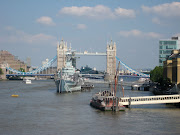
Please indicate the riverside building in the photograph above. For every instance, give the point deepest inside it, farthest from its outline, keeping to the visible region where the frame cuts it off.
(13, 61)
(172, 67)
(166, 46)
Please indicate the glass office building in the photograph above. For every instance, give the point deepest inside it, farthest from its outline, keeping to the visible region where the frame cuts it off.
(166, 46)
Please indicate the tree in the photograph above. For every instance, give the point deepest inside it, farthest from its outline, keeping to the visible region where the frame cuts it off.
(1, 72)
(156, 75)
(22, 70)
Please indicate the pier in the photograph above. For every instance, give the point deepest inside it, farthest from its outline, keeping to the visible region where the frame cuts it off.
(128, 101)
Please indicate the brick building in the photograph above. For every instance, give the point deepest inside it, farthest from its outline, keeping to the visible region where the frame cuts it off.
(11, 60)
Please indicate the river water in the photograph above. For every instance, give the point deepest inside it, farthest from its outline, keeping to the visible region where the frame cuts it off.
(40, 110)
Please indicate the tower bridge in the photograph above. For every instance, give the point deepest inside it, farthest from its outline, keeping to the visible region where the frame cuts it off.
(63, 51)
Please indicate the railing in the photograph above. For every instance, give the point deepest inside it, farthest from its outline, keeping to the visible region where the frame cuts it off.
(91, 54)
(149, 100)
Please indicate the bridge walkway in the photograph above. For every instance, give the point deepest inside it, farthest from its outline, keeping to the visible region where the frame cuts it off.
(149, 100)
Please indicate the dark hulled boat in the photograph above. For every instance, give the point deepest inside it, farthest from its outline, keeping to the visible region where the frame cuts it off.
(107, 100)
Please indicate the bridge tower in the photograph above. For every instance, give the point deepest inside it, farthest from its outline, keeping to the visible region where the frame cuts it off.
(111, 60)
(61, 54)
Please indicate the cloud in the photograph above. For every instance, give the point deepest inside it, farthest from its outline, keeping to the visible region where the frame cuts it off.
(9, 28)
(38, 38)
(81, 26)
(165, 10)
(176, 35)
(19, 36)
(99, 11)
(156, 20)
(125, 12)
(139, 34)
(45, 20)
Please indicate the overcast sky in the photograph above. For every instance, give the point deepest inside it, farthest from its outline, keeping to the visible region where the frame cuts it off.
(32, 28)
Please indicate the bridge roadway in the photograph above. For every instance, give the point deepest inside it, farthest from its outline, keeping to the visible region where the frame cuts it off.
(127, 101)
(102, 75)
(91, 54)
(29, 75)
(124, 83)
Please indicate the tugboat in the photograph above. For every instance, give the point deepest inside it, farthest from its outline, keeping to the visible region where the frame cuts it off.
(107, 100)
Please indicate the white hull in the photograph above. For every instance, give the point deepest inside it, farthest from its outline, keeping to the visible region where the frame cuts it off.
(27, 81)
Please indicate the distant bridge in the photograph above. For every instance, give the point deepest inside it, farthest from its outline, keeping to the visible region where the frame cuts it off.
(8, 75)
(149, 100)
(44, 67)
(36, 71)
(91, 54)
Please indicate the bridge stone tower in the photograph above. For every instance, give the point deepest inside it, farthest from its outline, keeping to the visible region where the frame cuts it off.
(111, 60)
(61, 54)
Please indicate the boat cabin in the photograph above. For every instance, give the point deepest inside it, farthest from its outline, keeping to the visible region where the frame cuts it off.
(107, 93)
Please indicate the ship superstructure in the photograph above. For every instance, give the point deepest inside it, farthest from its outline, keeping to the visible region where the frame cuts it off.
(67, 77)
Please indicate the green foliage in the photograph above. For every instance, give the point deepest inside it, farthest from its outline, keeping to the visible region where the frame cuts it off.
(88, 70)
(10, 72)
(22, 70)
(1, 72)
(85, 69)
(156, 75)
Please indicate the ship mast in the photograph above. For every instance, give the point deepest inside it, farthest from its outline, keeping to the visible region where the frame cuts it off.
(116, 78)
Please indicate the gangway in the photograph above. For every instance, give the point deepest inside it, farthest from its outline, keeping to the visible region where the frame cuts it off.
(128, 101)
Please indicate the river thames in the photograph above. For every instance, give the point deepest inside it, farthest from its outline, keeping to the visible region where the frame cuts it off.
(40, 110)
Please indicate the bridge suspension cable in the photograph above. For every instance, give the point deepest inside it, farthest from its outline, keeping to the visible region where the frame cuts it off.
(36, 70)
(132, 70)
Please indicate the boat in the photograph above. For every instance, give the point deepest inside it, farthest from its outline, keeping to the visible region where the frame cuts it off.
(107, 100)
(15, 78)
(68, 78)
(87, 86)
(27, 81)
(13, 95)
(143, 79)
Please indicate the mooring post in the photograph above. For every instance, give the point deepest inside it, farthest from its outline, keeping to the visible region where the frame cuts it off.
(117, 104)
(59, 86)
(129, 106)
(113, 105)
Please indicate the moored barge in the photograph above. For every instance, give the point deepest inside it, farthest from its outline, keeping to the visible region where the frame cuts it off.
(106, 101)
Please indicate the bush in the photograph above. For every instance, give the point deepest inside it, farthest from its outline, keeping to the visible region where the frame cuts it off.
(1, 72)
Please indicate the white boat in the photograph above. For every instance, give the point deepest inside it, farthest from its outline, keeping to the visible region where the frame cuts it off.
(27, 81)
(143, 79)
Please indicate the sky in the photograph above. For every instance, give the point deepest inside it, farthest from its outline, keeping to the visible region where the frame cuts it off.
(33, 28)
